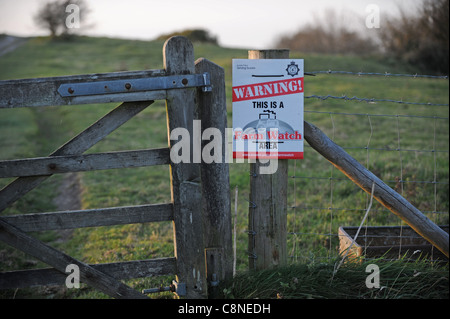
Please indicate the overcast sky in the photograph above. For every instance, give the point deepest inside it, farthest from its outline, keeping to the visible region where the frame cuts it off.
(237, 23)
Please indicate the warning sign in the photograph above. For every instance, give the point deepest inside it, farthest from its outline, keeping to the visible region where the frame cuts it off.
(268, 108)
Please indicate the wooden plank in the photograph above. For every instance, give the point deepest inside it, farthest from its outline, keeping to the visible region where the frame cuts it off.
(119, 270)
(185, 177)
(215, 177)
(383, 193)
(43, 91)
(92, 217)
(79, 163)
(79, 144)
(267, 219)
(58, 260)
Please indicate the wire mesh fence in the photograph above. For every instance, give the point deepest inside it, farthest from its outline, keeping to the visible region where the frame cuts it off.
(404, 141)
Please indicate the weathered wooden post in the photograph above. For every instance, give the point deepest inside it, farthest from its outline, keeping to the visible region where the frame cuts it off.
(215, 179)
(267, 219)
(185, 177)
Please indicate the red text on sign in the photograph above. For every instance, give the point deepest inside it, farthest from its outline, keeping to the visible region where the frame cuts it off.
(268, 89)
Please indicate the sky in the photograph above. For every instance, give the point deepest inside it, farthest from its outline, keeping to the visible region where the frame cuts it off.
(254, 24)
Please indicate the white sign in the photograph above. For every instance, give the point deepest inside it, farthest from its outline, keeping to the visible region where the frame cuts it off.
(268, 108)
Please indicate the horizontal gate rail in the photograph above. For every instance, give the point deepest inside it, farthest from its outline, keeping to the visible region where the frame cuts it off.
(44, 91)
(92, 217)
(119, 270)
(80, 163)
(96, 88)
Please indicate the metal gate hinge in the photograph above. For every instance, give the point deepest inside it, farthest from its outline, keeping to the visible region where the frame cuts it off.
(136, 85)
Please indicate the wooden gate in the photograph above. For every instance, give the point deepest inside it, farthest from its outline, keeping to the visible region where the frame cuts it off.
(200, 205)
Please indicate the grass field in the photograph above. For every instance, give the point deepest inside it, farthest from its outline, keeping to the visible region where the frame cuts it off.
(318, 204)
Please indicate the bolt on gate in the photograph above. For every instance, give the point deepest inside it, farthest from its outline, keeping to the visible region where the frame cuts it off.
(200, 205)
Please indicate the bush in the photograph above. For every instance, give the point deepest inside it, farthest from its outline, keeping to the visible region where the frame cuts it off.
(328, 35)
(195, 35)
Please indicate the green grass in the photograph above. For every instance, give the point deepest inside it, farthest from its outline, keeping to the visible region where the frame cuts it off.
(398, 280)
(317, 204)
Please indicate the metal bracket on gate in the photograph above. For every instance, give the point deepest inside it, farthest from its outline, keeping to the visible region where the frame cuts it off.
(137, 85)
(176, 287)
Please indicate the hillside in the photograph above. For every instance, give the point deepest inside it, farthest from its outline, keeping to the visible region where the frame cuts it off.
(320, 198)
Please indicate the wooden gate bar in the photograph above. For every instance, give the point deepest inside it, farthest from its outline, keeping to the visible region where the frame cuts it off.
(82, 163)
(58, 260)
(120, 270)
(185, 177)
(79, 144)
(385, 195)
(44, 91)
(92, 217)
(215, 181)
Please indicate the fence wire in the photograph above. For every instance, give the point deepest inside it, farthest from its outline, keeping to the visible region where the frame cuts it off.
(385, 74)
(371, 100)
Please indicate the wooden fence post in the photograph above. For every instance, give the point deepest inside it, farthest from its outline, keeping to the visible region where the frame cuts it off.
(215, 180)
(267, 221)
(185, 177)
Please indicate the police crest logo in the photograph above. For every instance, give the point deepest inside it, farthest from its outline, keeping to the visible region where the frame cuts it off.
(292, 69)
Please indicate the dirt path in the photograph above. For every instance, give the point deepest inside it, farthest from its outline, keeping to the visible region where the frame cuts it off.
(68, 198)
(69, 194)
(9, 43)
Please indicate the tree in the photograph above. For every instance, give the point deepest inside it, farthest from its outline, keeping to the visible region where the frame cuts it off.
(61, 17)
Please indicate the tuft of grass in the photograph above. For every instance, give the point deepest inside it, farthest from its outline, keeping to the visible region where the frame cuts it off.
(399, 279)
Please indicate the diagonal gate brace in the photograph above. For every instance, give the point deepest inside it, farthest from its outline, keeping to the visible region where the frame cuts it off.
(106, 283)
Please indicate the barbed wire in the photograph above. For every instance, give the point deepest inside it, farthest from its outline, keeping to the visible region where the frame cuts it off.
(370, 100)
(351, 210)
(367, 236)
(386, 181)
(385, 74)
(381, 115)
(390, 149)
